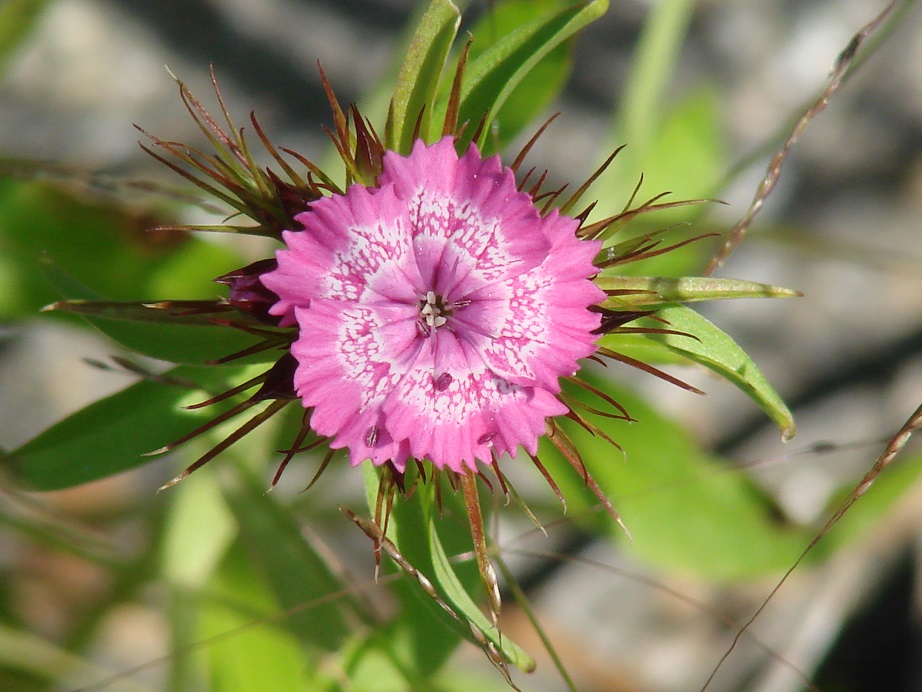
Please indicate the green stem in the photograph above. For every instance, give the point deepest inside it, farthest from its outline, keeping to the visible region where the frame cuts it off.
(522, 600)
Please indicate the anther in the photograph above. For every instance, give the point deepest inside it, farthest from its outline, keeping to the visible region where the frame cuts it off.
(371, 437)
(432, 313)
(422, 328)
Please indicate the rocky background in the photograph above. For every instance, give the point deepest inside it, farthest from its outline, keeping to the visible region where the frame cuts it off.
(843, 227)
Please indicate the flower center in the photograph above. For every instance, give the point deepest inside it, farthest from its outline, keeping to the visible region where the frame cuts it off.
(434, 312)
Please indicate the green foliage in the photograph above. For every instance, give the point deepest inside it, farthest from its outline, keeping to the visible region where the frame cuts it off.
(253, 600)
(534, 88)
(647, 105)
(426, 535)
(17, 19)
(701, 342)
(684, 510)
(420, 75)
(111, 435)
(275, 545)
(100, 245)
(491, 78)
(259, 656)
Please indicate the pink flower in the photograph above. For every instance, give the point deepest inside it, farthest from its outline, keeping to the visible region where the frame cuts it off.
(437, 312)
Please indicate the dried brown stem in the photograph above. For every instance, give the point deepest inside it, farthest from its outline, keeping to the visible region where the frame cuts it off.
(843, 62)
(487, 574)
(894, 447)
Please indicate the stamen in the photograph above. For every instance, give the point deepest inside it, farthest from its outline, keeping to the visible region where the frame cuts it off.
(442, 381)
(487, 437)
(422, 328)
(371, 437)
(432, 313)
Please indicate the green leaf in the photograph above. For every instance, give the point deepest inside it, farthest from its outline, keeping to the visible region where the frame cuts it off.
(686, 511)
(711, 347)
(371, 665)
(542, 82)
(422, 531)
(491, 78)
(295, 572)
(655, 59)
(687, 154)
(111, 435)
(244, 653)
(420, 641)
(650, 291)
(458, 596)
(426, 534)
(199, 528)
(178, 312)
(101, 245)
(685, 157)
(17, 18)
(417, 84)
(872, 507)
(643, 99)
(153, 332)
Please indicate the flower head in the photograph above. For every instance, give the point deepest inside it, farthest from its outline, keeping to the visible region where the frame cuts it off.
(436, 312)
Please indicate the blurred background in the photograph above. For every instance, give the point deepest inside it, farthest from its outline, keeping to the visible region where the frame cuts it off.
(77, 599)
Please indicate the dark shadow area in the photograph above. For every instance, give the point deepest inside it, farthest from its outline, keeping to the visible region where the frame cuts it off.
(879, 647)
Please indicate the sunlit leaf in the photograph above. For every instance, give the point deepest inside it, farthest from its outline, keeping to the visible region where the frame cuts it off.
(371, 667)
(446, 577)
(704, 343)
(199, 528)
(644, 99)
(492, 78)
(634, 292)
(426, 536)
(882, 498)
(158, 333)
(541, 84)
(100, 245)
(273, 539)
(422, 638)
(111, 435)
(414, 93)
(257, 655)
(421, 532)
(686, 511)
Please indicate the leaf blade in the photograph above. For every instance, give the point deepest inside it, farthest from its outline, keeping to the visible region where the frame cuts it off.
(687, 511)
(704, 343)
(417, 83)
(110, 435)
(151, 331)
(491, 78)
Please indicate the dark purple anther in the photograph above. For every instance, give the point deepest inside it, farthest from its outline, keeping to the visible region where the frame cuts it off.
(371, 437)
